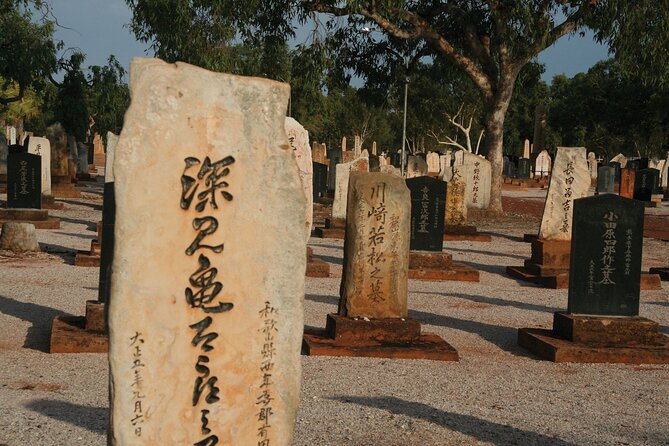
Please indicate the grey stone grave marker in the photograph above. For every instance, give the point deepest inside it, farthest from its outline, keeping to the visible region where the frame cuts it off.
(606, 180)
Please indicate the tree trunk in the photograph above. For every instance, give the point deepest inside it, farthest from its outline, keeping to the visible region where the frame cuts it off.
(495, 114)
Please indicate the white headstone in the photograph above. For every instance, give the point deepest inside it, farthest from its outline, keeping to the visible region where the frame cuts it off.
(343, 171)
(12, 135)
(592, 165)
(526, 149)
(205, 317)
(433, 163)
(416, 167)
(299, 141)
(620, 158)
(42, 147)
(542, 166)
(459, 157)
(112, 141)
(477, 174)
(357, 146)
(664, 173)
(570, 180)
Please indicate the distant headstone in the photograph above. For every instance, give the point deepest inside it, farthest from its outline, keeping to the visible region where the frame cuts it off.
(634, 164)
(390, 169)
(456, 204)
(570, 180)
(24, 181)
(59, 153)
(526, 149)
(12, 136)
(341, 188)
(428, 203)
(542, 165)
(605, 271)
(506, 166)
(644, 163)
(4, 151)
(357, 146)
(298, 137)
(620, 158)
(42, 147)
(376, 247)
(524, 168)
(616, 167)
(320, 180)
(592, 165)
(108, 222)
(205, 319)
(433, 165)
(606, 180)
(319, 153)
(665, 174)
(416, 167)
(646, 184)
(477, 174)
(343, 144)
(627, 180)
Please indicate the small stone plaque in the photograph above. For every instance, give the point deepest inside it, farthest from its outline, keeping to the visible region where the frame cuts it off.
(24, 181)
(605, 270)
(320, 180)
(606, 180)
(428, 202)
(646, 184)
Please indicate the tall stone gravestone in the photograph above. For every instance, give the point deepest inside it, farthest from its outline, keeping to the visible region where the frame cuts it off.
(506, 166)
(524, 167)
(24, 181)
(376, 248)
(42, 148)
(341, 189)
(542, 166)
(606, 176)
(592, 167)
(646, 184)
(456, 204)
(298, 137)
(605, 273)
(205, 318)
(335, 157)
(320, 180)
(108, 223)
(416, 167)
(477, 173)
(665, 175)
(433, 164)
(570, 180)
(428, 202)
(627, 181)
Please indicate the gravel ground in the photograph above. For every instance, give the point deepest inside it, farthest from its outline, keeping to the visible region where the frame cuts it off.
(496, 395)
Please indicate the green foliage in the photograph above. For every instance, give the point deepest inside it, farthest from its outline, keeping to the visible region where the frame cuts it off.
(108, 97)
(71, 108)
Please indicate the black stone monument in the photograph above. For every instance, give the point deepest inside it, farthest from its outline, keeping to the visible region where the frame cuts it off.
(24, 181)
(634, 164)
(523, 168)
(428, 206)
(605, 270)
(320, 180)
(606, 176)
(646, 184)
(107, 243)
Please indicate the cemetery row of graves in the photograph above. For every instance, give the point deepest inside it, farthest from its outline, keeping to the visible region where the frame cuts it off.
(222, 281)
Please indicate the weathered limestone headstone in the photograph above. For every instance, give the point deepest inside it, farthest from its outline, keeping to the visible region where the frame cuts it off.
(606, 177)
(605, 271)
(82, 157)
(661, 165)
(570, 180)
(108, 222)
(18, 237)
(12, 135)
(390, 169)
(59, 152)
(592, 165)
(42, 147)
(98, 152)
(416, 167)
(374, 152)
(376, 248)
(526, 149)
(620, 158)
(459, 158)
(477, 173)
(433, 163)
(665, 174)
(205, 318)
(456, 204)
(319, 153)
(428, 201)
(73, 155)
(357, 146)
(343, 144)
(542, 166)
(341, 188)
(299, 141)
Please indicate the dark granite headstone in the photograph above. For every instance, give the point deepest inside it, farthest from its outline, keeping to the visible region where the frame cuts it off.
(374, 165)
(320, 180)
(634, 164)
(646, 184)
(506, 166)
(396, 159)
(17, 148)
(24, 181)
(643, 163)
(605, 270)
(107, 243)
(616, 166)
(428, 205)
(606, 180)
(523, 168)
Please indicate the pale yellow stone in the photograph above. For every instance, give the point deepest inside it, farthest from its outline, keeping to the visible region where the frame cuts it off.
(181, 111)
(456, 204)
(42, 147)
(343, 171)
(299, 141)
(376, 249)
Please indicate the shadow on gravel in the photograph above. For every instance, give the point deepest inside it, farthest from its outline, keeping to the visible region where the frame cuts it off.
(489, 253)
(330, 259)
(89, 226)
(512, 238)
(480, 429)
(94, 419)
(84, 236)
(64, 253)
(41, 317)
(497, 301)
(660, 303)
(322, 299)
(97, 207)
(506, 338)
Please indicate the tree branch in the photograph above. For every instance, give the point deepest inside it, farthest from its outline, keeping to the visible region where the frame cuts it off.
(18, 97)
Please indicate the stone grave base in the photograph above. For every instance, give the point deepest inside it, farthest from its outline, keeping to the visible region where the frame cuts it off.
(548, 266)
(62, 187)
(73, 334)
(454, 233)
(439, 266)
(321, 213)
(84, 176)
(607, 339)
(326, 201)
(376, 338)
(315, 266)
(49, 202)
(527, 182)
(561, 281)
(334, 228)
(663, 273)
(37, 217)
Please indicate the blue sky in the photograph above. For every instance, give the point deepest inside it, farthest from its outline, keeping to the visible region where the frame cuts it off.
(97, 27)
